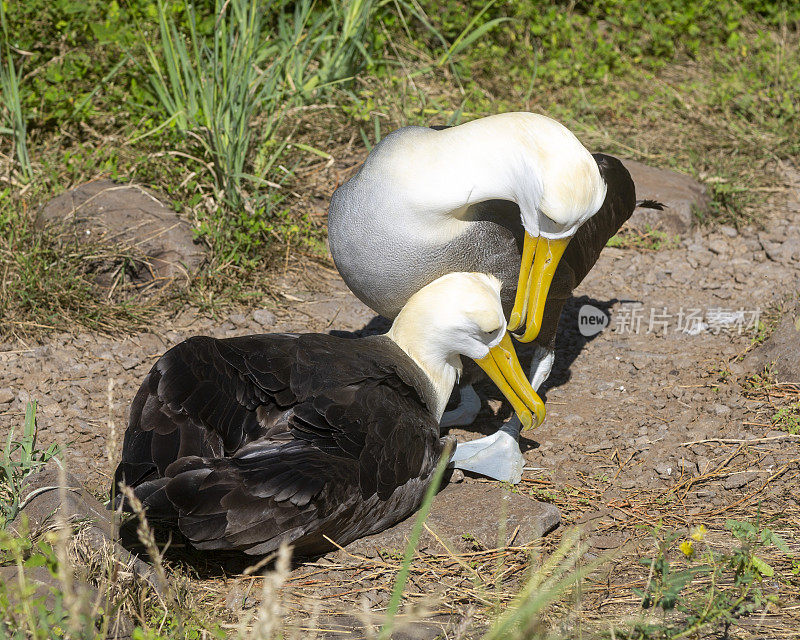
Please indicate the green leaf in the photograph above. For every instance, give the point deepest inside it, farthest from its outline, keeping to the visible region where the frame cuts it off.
(37, 560)
(780, 543)
(762, 567)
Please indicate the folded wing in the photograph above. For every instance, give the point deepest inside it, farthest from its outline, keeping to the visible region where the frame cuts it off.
(246, 442)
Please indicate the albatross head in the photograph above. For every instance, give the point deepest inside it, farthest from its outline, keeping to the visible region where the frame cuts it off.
(461, 314)
(559, 188)
(431, 179)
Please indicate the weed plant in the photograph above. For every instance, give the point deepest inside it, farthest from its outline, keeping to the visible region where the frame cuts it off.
(11, 112)
(732, 581)
(228, 92)
(19, 459)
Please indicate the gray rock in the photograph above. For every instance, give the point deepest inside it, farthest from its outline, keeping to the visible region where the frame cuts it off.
(720, 409)
(718, 246)
(739, 480)
(608, 541)
(790, 251)
(42, 505)
(664, 469)
(681, 195)
(132, 219)
(264, 317)
(781, 351)
(48, 590)
(42, 508)
(6, 395)
(351, 627)
(468, 513)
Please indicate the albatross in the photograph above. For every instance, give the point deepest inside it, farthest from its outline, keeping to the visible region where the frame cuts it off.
(515, 195)
(243, 443)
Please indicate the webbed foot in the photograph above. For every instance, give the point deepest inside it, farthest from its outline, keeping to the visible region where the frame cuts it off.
(497, 456)
(466, 411)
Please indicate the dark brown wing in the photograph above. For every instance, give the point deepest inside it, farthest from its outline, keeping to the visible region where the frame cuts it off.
(206, 397)
(296, 438)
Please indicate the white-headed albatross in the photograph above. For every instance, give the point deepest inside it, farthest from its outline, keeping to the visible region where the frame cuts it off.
(487, 196)
(245, 442)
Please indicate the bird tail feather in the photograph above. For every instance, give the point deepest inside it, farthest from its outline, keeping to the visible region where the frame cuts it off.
(650, 204)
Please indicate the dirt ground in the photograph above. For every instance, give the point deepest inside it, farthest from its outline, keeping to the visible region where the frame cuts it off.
(648, 421)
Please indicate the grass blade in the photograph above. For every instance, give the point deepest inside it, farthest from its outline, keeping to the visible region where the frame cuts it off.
(411, 547)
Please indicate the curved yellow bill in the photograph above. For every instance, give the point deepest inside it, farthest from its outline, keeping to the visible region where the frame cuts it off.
(521, 299)
(540, 257)
(502, 366)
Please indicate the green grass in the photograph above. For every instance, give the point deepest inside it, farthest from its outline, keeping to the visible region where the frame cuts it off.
(223, 111)
(48, 280)
(650, 239)
(227, 92)
(11, 112)
(788, 418)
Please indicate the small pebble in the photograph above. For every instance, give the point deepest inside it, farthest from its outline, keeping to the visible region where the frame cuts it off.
(720, 409)
(264, 317)
(718, 246)
(664, 469)
(738, 480)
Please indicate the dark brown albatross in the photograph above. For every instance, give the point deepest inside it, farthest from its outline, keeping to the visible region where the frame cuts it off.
(244, 443)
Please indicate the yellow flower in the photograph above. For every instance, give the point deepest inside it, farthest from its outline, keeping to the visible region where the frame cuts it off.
(698, 533)
(687, 547)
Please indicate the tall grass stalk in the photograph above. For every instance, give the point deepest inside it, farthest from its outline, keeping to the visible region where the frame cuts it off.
(229, 90)
(11, 107)
(324, 44)
(559, 573)
(411, 547)
(213, 87)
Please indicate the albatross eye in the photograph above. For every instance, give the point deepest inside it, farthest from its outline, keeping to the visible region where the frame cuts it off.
(493, 337)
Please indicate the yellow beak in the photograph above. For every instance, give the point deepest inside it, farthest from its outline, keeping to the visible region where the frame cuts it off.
(540, 257)
(502, 366)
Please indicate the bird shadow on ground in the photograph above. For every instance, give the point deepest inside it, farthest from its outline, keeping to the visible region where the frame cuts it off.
(177, 552)
(374, 327)
(570, 342)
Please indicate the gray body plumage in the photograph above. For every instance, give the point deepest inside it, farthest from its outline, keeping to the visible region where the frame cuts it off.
(385, 261)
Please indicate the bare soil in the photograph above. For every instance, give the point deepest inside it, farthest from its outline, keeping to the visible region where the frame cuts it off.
(647, 423)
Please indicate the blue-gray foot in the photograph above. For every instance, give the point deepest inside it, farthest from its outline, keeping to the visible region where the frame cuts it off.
(497, 456)
(466, 411)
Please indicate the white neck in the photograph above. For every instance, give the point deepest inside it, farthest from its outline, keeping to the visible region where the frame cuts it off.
(413, 336)
(523, 157)
(458, 313)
